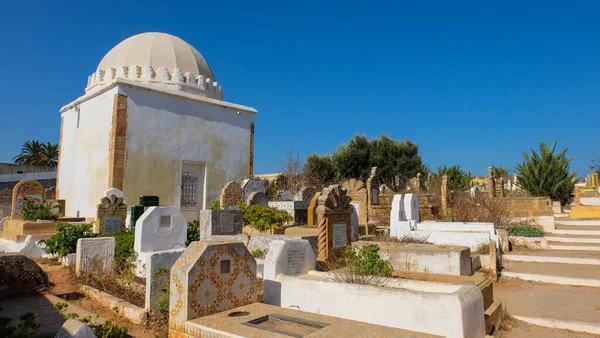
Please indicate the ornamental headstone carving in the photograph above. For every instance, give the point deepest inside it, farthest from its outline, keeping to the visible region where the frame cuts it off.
(111, 214)
(334, 217)
(31, 190)
(231, 195)
(358, 192)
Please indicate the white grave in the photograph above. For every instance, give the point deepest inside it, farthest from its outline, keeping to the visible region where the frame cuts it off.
(94, 254)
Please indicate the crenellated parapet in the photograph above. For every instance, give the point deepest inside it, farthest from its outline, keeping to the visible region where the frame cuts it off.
(166, 78)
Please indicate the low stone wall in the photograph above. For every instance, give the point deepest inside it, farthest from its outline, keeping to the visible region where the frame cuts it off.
(533, 243)
(19, 274)
(529, 206)
(134, 314)
(448, 310)
(450, 260)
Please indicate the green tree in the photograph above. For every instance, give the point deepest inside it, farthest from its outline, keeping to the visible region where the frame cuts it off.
(353, 160)
(458, 179)
(501, 172)
(38, 153)
(319, 170)
(546, 173)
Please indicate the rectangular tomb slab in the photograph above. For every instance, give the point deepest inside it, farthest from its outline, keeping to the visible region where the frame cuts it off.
(263, 320)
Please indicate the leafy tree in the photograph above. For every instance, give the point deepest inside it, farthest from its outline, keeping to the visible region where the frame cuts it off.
(501, 172)
(353, 160)
(319, 170)
(37, 153)
(546, 173)
(458, 179)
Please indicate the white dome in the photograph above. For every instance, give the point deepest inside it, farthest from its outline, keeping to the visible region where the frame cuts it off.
(157, 50)
(159, 60)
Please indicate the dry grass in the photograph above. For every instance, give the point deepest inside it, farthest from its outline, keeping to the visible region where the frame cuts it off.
(345, 275)
(112, 284)
(483, 249)
(463, 208)
(407, 239)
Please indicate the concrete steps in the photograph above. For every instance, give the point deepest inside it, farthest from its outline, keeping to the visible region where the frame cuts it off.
(578, 230)
(573, 246)
(554, 273)
(555, 256)
(573, 238)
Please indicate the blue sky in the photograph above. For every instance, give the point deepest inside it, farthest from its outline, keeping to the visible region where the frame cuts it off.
(473, 84)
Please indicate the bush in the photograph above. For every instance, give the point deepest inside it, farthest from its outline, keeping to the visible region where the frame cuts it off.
(25, 329)
(108, 329)
(264, 219)
(216, 206)
(123, 245)
(32, 211)
(193, 232)
(65, 241)
(525, 231)
(258, 253)
(366, 261)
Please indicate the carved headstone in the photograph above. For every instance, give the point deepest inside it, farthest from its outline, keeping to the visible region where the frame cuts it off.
(31, 190)
(94, 254)
(258, 198)
(220, 223)
(252, 185)
(159, 229)
(358, 192)
(211, 277)
(305, 193)
(312, 210)
(334, 220)
(111, 214)
(373, 187)
(231, 195)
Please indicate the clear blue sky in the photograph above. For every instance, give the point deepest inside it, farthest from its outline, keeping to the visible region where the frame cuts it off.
(473, 84)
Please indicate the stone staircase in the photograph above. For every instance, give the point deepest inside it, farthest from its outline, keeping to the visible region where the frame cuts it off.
(560, 287)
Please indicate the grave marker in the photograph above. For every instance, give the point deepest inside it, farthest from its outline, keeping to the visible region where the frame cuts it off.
(357, 191)
(258, 198)
(334, 215)
(111, 213)
(31, 190)
(159, 229)
(231, 195)
(94, 254)
(252, 185)
(220, 223)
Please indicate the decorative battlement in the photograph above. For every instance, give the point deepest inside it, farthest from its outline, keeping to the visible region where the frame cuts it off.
(173, 79)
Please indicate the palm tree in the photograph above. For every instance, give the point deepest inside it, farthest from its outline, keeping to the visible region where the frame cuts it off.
(546, 173)
(37, 153)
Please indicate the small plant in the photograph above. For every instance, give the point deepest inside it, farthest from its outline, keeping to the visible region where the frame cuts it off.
(25, 329)
(124, 252)
(525, 231)
(105, 330)
(216, 206)
(258, 253)
(264, 219)
(366, 261)
(65, 241)
(163, 302)
(193, 232)
(33, 211)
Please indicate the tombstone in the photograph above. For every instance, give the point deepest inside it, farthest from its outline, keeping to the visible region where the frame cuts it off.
(252, 185)
(357, 191)
(305, 194)
(31, 249)
(159, 229)
(258, 198)
(405, 207)
(297, 209)
(158, 266)
(113, 191)
(94, 254)
(286, 257)
(355, 230)
(231, 195)
(211, 277)
(373, 187)
(220, 223)
(31, 190)
(312, 210)
(111, 214)
(334, 217)
(285, 195)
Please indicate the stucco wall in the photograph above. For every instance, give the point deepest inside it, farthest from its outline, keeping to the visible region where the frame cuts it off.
(83, 174)
(164, 131)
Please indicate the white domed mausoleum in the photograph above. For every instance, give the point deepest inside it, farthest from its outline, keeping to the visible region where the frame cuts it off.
(152, 121)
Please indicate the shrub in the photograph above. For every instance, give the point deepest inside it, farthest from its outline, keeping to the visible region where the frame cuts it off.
(524, 231)
(216, 206)
(366, 261)
(258, 253)
(25, 329)
(105, 330)
(264, 219)
(193, 232)
(65, 241)
(32, 211)
(123, 244)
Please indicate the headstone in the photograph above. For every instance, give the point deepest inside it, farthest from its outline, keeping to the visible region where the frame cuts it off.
(398, 213)
(31, 190)
(31, 249)
(258, 198)
(220, 223)
(411, 207)
(252, 185)
(94, 254)
(285, 195)
(113, 191)
(231, 195)
(74, 328)
(159, 229)
(312, 210)
(373, 187)
(285, 257)
(305, 193)
(334, 218)
(111, 214)
(355, 231)
(357, 191)
(212, 277)
(158, 267)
